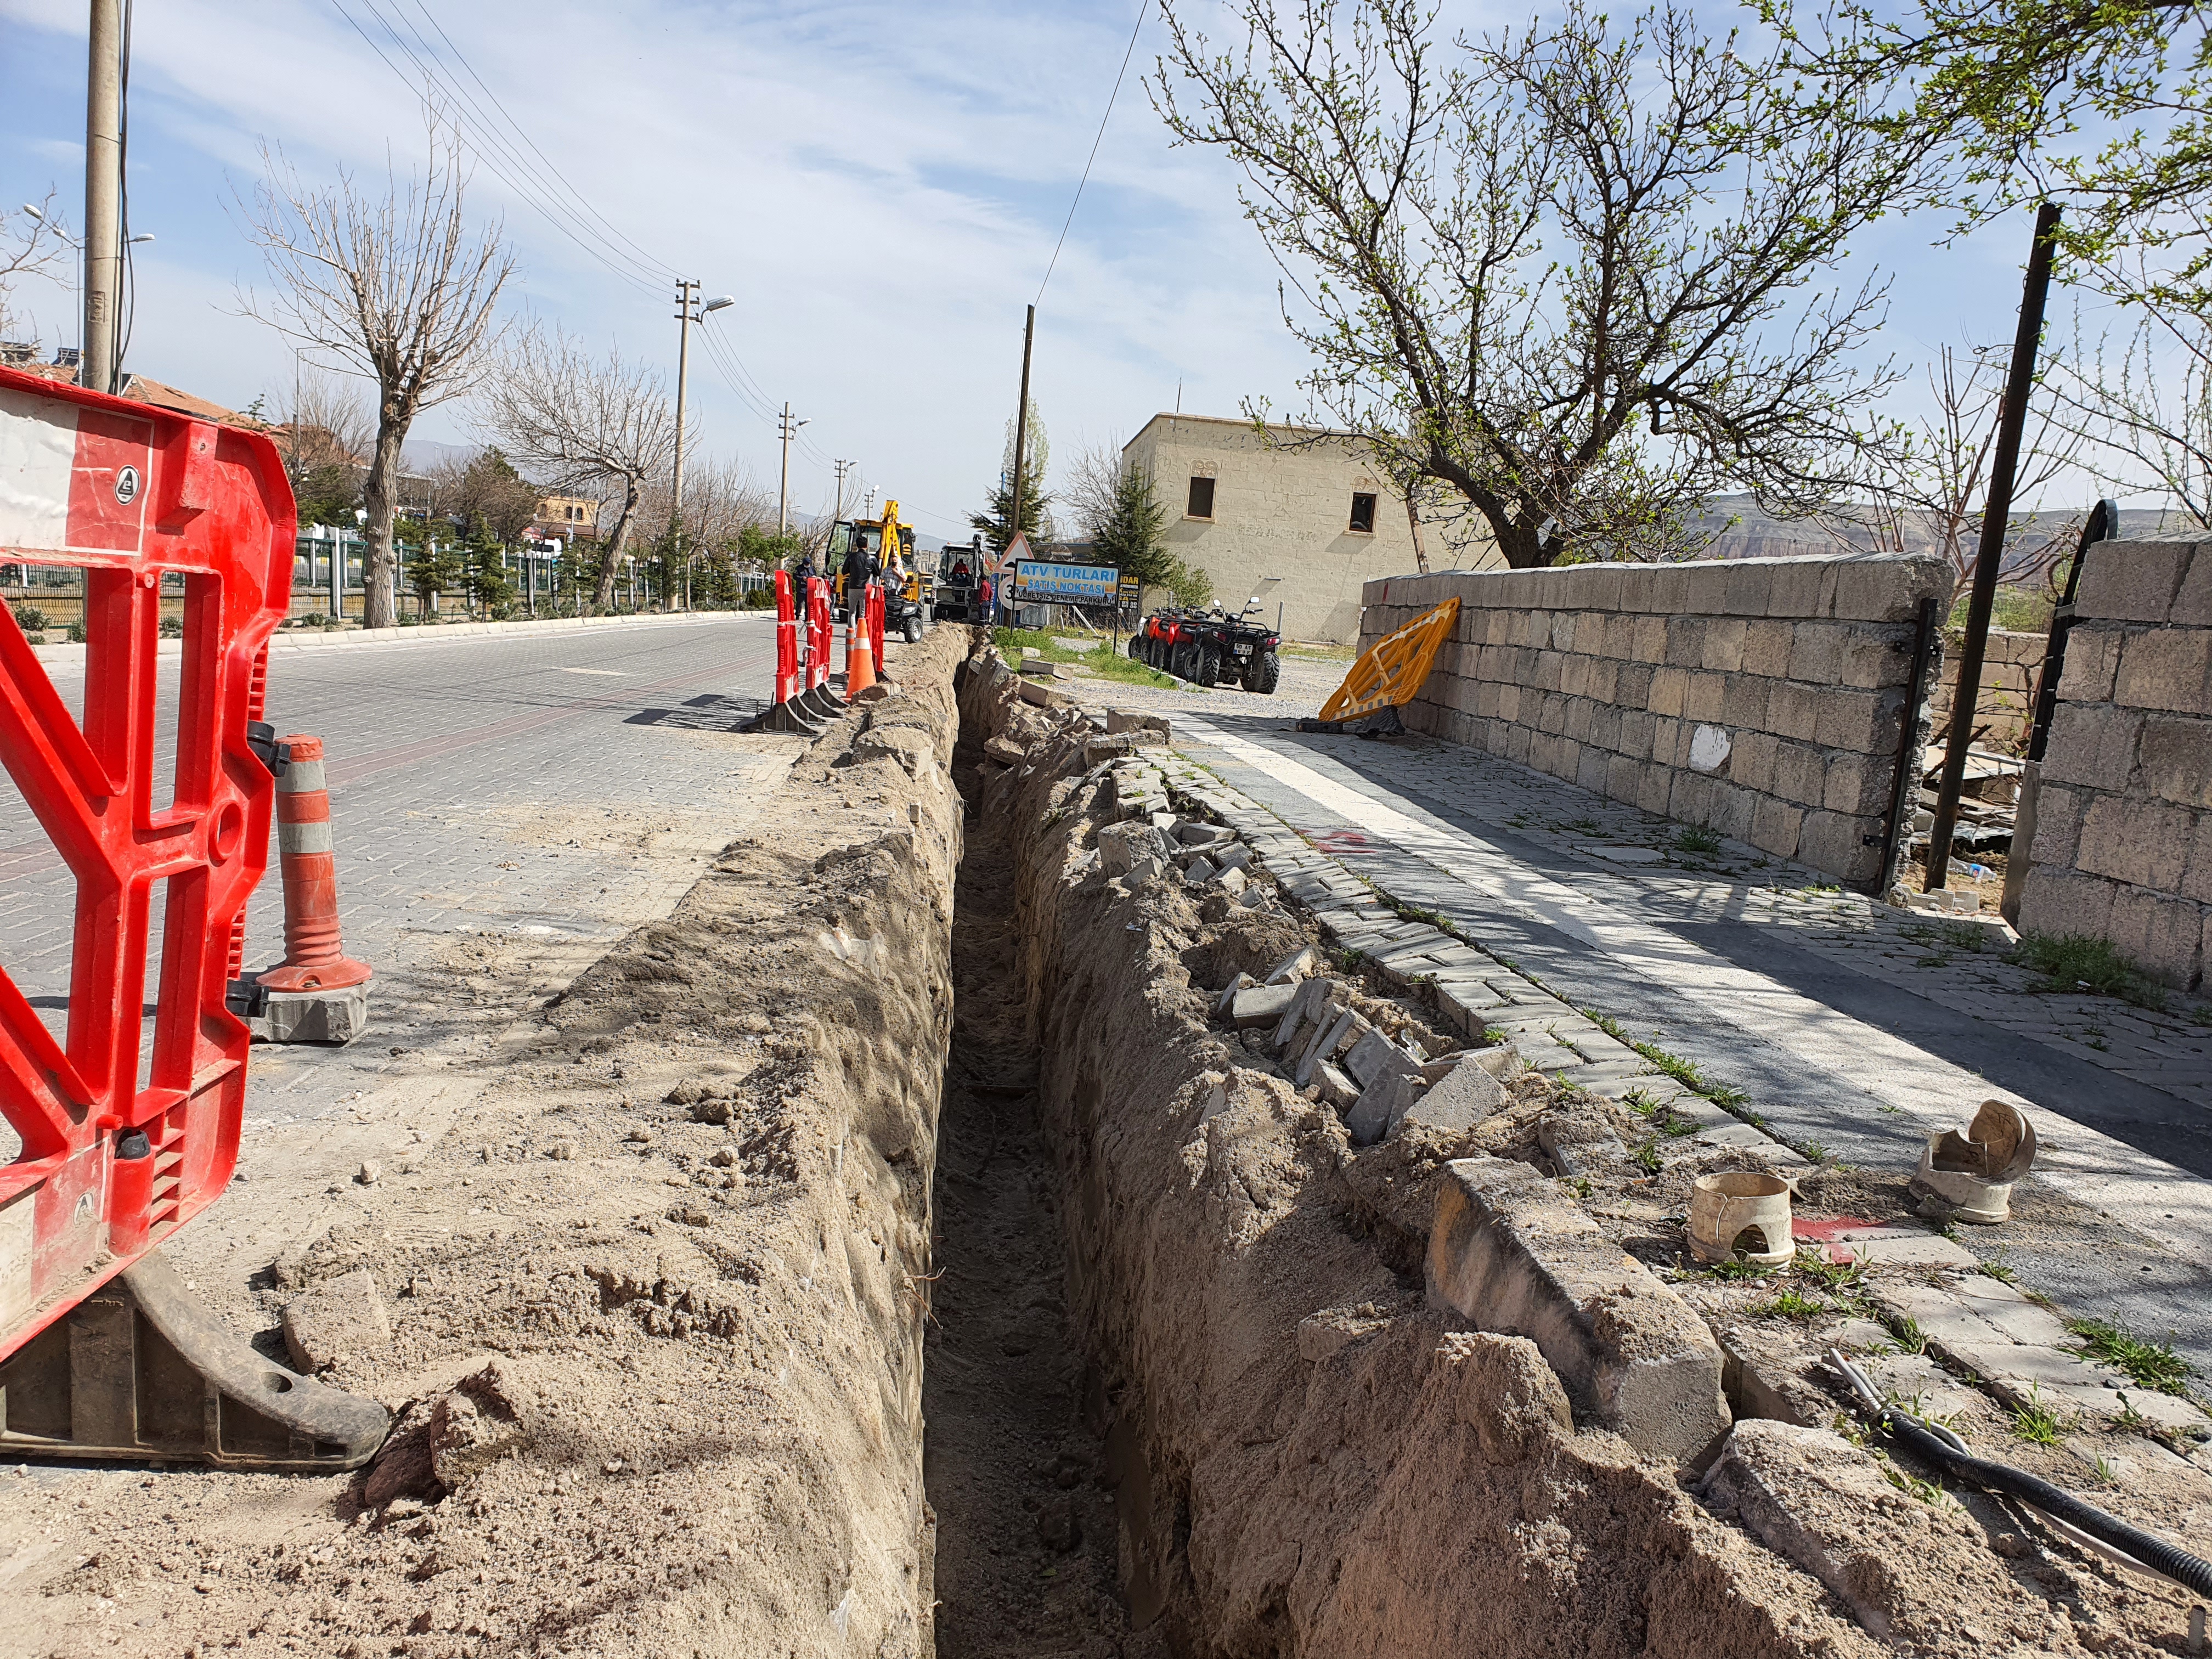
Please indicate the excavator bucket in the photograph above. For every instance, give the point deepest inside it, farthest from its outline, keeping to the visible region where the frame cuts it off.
(1392, 670)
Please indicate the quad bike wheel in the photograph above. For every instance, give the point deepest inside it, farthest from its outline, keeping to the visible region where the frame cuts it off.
(913, 628)
(1264, 673)
(1206, 671)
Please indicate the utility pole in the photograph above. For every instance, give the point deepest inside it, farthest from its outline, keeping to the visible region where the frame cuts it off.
(687, 294)
(843, 467)
(1997, 518)
(103, 198)
(788, 428)
(1021, 431)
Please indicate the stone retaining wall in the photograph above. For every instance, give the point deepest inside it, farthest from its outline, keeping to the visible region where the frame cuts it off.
(2007, 706)
(1762, 698)
(2123, 816)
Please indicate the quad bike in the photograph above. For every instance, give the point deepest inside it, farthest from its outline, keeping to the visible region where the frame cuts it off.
(1207, 647)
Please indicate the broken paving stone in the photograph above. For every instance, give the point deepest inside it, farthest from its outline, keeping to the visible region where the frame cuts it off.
(1237, 857)
(1294, 968)
(1338, 1089)
(1260, 1004)
(1463, 1098)
(1198, 834)
(1228, 997)
(1231, 881)
(339, 1318)
(1373, 1056)
(1199, 870)
(1005, 751)
(1383, 1100)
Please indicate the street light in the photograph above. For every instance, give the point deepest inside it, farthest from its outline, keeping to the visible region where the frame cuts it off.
(78, 242)
(686, 290)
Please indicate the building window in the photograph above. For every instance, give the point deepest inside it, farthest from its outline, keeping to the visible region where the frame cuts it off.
(1202, 499)
(1363, 515)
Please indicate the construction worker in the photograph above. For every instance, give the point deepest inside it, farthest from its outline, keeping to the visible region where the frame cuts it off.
(802, 573)
(859, 569)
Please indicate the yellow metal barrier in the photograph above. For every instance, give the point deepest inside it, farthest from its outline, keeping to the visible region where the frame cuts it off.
(1392, 673)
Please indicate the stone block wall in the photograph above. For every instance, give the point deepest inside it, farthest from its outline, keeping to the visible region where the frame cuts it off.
(1761, 698)
(2123, 818)
(2007, 706)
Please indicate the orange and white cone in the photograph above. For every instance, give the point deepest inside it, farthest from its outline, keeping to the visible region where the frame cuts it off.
(314, 956)
(860, 654)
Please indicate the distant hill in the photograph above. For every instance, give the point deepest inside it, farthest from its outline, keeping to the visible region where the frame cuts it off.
(1738, 530)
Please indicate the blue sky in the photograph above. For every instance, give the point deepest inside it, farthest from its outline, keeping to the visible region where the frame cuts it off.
(880, 187)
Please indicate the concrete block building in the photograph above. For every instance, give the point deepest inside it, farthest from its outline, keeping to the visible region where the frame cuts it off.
(1301, 518)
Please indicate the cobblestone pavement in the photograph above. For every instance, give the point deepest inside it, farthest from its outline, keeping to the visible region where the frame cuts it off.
(1852, 1030)
(503, 809)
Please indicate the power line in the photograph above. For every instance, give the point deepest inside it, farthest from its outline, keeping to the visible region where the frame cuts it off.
(1143, 7)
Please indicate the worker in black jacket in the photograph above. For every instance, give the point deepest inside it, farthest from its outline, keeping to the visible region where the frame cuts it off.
(861, 569)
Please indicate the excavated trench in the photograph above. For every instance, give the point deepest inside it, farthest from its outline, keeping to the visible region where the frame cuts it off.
(1026, 1554)
(1189, 1388)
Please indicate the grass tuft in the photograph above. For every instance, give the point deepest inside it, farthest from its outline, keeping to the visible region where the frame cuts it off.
(2154, 1365)
(2073, 962)
(2035, 1422)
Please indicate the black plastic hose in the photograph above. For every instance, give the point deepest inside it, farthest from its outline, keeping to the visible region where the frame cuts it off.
(2167, 1560)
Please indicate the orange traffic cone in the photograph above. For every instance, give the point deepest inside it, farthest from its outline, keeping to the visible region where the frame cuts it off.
(314, 956)
(860, 655)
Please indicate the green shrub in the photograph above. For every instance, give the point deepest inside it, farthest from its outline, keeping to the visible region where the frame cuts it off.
(30, 619)
(2072, 961)
(76, 633)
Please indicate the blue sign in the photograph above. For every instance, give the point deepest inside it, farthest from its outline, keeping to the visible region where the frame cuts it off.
(1067, 583)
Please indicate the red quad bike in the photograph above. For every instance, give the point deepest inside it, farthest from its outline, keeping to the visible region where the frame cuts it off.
(1207, 647)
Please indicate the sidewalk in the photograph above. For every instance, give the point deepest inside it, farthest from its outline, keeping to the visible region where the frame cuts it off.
(1851, 1032)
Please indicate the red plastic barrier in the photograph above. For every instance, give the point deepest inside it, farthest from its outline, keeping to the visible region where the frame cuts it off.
(876, 624)
(821, 634)
(786, 641)
(110, 1167)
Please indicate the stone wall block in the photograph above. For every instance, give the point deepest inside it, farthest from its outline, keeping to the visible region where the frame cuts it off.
(2132, 582)
(1836, 842)
(1751, 758)
(1801, 774)
(1636, 728)
(2163, 935)
(2175, 752)
(1685, 642)
(1793, 709)
(1887, 587)
(1872, 655)
(1816, 653)
(1734, 809)
(2057, 823)
(1622, 777)
(1774, 827)
(2061, 902)
(1580, 710)
(2134, 840)
(1802, 588)
(1654, 788)
(1744, 699)
(1725, 643)
(2093, 747)
(1670, 691)
(1767, 647)
(1666, 590)
(1634, 685)
(1862, 721)
(2192, 602)
(1705, 699)
(1859, 784)
(2168, 668)
(1650, 642)
(1591, 768)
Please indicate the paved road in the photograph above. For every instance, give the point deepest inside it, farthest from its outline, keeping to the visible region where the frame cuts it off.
(539, 794)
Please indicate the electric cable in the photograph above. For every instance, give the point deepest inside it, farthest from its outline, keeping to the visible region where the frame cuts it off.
(1143, 7)
(124, 323)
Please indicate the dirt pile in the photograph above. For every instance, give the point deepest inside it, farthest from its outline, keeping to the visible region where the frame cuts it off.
(655, 1300)
(1307, 1456)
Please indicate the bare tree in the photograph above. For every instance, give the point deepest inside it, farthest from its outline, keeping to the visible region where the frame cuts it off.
(325, 422)
(397, 286)
(585, 425)
(1089, 485)
(1509, 259)
(1926, 493)
(30, 246)
(2147, 402)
